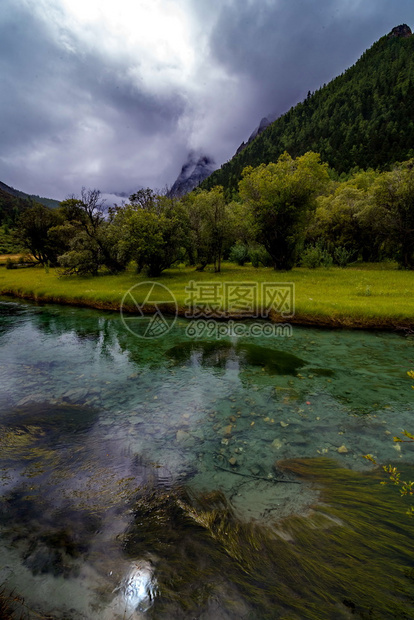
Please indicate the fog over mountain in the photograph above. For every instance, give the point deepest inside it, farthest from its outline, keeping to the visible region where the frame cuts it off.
(116, 94)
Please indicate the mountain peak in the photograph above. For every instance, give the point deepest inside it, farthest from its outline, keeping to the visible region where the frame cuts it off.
(197, 168)
(402, 31)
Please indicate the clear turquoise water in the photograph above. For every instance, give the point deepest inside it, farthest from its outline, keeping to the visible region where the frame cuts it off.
(92, 417)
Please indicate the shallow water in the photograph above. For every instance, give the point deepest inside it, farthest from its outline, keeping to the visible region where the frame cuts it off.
(123, 460)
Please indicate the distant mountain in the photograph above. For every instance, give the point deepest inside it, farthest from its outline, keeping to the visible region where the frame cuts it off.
(363, 118)
(48, 202)
(194, 171)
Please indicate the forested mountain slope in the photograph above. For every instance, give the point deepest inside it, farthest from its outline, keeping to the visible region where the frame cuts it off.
(363, 118)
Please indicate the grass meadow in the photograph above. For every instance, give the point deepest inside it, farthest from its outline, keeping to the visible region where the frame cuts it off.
(365, 295)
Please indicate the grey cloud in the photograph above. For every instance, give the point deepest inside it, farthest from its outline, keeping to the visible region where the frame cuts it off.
(288, 48)
(73, 114)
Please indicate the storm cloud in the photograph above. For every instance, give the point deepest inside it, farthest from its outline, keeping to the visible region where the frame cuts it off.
(113, 94)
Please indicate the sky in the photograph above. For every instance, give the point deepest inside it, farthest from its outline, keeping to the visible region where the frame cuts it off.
(114, 94)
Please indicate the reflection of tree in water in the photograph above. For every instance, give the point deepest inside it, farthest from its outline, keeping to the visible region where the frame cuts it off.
(11, 315)
(220, 354)
(79, 322)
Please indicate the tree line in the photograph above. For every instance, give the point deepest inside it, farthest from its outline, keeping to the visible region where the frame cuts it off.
(287, 213)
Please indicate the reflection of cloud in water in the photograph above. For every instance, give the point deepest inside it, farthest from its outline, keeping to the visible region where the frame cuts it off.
(136, 591)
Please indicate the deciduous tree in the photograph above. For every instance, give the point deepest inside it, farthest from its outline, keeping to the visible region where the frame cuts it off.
(281, 196)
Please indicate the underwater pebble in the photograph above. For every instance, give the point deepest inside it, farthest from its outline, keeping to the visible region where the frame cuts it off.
(199, 433)
(323, 451)
(226, 430)
(233, 461)
(184, 438)
(284, 424)
(343, 449)
(277, 444)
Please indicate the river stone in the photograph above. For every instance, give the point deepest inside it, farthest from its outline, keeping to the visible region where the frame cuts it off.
(226, 430)
(199, 433)
(32, 398)
(343, 449)
(277, 444)
(77, 395)
(184, 438)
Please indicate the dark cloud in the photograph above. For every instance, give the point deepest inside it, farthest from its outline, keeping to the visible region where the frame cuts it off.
(94, 103)
(285, 49)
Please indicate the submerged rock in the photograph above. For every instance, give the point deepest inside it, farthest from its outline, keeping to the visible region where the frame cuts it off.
(184, 438)
(274, 361)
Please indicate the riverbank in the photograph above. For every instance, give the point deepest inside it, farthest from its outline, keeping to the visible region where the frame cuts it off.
(365, 296)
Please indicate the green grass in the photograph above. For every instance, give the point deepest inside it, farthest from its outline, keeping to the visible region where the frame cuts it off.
(359, 296)
(8, 245)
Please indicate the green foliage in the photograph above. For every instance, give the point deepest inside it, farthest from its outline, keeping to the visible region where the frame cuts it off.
(280, 197)
(316, 256)
(259, 256)
(10, 208)
(152, 231)
(394, 200)
(364, 118)
(8, 241)
(239, 254)
(91, 239)
(33, 233)
(213, 227)
(345, 218)
(342, 256)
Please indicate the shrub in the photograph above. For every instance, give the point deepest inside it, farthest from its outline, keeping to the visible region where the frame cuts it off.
(316, 256)
(342, 256)
(239, 253)
(311, 257)
(260, 256)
